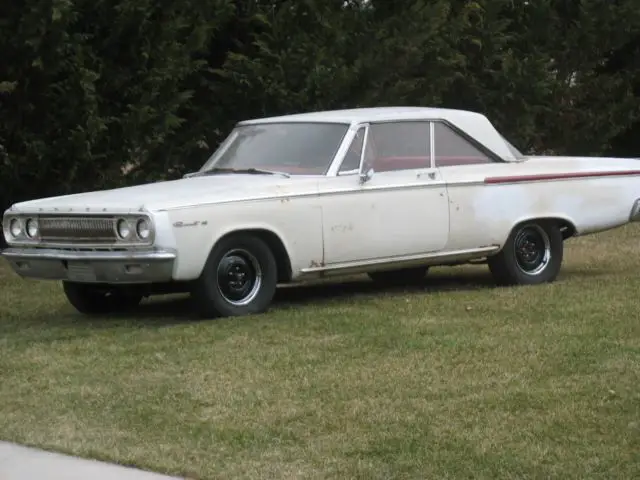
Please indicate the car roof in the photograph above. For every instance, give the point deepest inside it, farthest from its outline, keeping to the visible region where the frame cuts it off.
(471, 123)
(358, 115)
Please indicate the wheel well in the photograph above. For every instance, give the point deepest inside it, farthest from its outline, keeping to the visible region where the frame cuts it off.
(567, 228)
(274, 242)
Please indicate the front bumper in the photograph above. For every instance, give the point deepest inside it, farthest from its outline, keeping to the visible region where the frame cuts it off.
(126, 267)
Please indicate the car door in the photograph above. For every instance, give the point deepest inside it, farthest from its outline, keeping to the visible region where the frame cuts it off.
(400, 210)
(479, 215)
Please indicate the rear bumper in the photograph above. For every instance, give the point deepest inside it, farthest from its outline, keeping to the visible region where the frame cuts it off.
(634, 215)
(126, 267)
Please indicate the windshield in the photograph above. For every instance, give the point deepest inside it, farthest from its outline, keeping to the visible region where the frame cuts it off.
(293, 148)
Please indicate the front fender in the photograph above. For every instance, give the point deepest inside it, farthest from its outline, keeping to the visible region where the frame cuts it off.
(297, 223)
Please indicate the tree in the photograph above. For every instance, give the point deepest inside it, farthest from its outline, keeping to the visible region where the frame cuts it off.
(88, 87)
(626, 60)
(534, 67)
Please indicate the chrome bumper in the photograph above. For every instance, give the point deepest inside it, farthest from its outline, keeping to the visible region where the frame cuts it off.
(634, 216)
(147, 266)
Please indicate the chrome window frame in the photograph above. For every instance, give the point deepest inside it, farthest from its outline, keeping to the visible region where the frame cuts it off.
(335, 170)
(334, 167)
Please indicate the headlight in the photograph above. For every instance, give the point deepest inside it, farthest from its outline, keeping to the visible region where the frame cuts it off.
(32, 228)
(142, 229)
(15, 228)
(123, 228)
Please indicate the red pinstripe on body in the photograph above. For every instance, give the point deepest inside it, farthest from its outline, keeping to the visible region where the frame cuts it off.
(559, 176)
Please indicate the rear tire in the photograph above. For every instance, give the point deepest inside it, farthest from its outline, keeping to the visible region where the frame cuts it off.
(98, 300)
(239, 278)
(532, 255)
(405, 276)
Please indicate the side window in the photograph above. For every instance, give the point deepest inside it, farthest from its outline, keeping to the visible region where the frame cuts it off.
(451, 149)
(351, 160)
(402, 145)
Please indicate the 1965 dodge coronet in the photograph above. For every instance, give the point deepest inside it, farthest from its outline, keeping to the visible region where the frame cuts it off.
(383, 191)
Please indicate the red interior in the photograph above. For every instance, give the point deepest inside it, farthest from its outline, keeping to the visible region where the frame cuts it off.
(387, 164)
(458, 160)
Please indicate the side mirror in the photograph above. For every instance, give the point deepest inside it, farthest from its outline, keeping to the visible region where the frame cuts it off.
(366, 173)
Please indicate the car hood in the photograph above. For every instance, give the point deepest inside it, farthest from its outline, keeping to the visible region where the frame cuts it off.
(175, 194)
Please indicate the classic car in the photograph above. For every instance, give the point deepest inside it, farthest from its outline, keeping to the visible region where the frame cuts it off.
(386, 192)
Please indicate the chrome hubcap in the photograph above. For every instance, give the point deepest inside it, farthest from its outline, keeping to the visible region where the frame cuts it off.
(239, 277)
(532, 249)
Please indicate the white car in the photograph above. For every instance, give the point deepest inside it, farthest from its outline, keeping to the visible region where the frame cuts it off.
(383, 191)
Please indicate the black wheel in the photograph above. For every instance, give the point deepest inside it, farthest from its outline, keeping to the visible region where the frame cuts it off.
(97, 299)
(405, 276)
(239, 278)
(532, 255)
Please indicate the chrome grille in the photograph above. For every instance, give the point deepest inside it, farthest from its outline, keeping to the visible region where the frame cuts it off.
(77, 229)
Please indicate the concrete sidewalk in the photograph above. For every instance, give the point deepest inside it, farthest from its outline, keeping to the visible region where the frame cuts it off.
(24, 463)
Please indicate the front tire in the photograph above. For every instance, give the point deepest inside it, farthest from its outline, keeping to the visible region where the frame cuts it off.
(100, 300)
(532, 255)
(239, 278)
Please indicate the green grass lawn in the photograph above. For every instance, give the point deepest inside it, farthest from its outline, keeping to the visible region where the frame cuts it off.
(453, 379)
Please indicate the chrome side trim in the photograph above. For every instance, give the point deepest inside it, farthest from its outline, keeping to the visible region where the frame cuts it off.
(413, 186)
(376, 262)
(465, 183)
